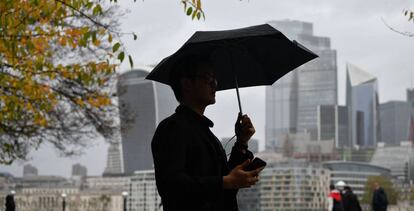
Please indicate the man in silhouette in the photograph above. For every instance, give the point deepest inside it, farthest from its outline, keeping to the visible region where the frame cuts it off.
(379, 199)
(10, 205)
(350, 200)
(191, 168)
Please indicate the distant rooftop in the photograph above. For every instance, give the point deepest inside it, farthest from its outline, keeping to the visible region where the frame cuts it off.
(358, 76)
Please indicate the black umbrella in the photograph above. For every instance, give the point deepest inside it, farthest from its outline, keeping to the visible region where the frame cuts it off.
(252, 56)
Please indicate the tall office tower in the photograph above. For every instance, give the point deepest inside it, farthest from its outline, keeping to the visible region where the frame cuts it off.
(291, 103)
(333, 124)
(410, 95)
(281, 110)
(29, 170)
(79, 170)
(114, 160)
(362, 101)
(142, 104)
(395, 119)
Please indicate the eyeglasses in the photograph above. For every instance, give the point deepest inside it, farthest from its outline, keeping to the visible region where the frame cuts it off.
(208, 78)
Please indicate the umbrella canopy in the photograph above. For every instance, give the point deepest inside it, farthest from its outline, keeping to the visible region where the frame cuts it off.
(252, 56)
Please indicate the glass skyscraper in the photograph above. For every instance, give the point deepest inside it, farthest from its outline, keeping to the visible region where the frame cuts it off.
(363, 103)
(142, 104)
(410, 95)
(292, 101)
(333, 124)
(395, 121)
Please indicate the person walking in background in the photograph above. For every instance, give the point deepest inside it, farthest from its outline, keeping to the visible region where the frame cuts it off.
(379, 199)
(334, 199)
(350, 200)
(10, 205)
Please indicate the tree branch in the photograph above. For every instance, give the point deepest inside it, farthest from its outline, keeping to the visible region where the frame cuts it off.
(408, 34)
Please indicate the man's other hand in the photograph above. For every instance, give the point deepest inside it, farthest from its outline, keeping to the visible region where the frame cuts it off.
(238, 178)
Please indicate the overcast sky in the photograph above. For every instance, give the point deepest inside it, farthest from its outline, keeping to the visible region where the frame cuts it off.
(355, 27)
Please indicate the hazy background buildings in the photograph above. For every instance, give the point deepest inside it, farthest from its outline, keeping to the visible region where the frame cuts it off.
(291, 103)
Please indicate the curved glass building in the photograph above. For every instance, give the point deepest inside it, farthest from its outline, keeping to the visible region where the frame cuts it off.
(142, 105)
(362, 101)
(354, 174)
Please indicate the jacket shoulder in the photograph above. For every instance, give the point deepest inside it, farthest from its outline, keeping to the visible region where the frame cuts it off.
(175, 120)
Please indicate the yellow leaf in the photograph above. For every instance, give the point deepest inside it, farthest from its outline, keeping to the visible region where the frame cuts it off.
(80, 102)
(97, 42)
(63, 41)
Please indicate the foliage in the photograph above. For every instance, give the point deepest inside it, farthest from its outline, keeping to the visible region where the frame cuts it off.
(386, 184)
(57, 71)
(409, 14)
(193, 8)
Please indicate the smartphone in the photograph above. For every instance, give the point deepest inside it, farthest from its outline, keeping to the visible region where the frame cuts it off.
(255, 164)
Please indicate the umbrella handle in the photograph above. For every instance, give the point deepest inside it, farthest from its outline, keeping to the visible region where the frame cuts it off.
(237, 91)
(238, 98)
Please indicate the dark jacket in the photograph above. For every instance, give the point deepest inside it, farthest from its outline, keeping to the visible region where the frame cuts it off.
(10, 206)
(190, 164)
(379, 200)
(350, 201)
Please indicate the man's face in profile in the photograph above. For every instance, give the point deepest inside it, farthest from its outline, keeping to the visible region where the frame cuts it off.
(376, 186)
(203, 86)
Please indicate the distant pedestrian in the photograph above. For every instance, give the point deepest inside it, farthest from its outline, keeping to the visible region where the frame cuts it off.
(10, 206)
(350, 200)
(379, 199)
(334, 200)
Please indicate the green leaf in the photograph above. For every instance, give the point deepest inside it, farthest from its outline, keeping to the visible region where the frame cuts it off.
(135, 36)
(82, 42)
(87, 35)
(97, 10)
(109, 38)
(121, 56)
(198, 15)
(194, 14)
(116, 47)
(94, 36)
(189, 11)
(131, 63)
(89, 5)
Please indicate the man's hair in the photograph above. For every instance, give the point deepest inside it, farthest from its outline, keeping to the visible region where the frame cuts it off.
(186, 67)
(348, 188)
(331, 187)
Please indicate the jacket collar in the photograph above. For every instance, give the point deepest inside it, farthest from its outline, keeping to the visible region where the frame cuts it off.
(188, 111)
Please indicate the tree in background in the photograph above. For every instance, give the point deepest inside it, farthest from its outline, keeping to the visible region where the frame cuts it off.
(385, 183)
(410, 15)
(58, 61)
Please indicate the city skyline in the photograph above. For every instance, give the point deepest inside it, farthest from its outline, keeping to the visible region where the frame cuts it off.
(355, 29)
